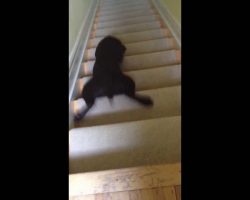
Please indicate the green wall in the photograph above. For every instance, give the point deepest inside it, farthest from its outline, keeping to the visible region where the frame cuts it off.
(174, 6)
(77, 12)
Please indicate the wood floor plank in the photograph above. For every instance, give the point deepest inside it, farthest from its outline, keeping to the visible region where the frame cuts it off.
(124, 179)
(178, 192)
(160, 193)
(169, 193)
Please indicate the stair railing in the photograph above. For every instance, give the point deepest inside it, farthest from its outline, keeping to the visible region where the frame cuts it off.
(76, 59)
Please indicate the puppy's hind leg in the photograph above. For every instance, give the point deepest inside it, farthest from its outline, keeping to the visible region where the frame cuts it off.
(88, 96)
(130, 91)
(81, 115)
(146, 101)
(89, 102)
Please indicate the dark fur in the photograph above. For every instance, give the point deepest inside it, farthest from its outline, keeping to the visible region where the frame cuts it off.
(108, 79)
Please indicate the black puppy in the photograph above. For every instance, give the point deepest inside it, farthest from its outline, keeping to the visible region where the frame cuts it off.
(108, 79)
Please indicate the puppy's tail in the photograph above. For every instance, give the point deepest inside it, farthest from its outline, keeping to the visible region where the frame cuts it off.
(143, 100)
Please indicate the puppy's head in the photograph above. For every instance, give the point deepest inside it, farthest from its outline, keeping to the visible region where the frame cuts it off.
(110, 49)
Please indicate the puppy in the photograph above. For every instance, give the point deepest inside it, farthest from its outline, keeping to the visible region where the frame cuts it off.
(108, 79)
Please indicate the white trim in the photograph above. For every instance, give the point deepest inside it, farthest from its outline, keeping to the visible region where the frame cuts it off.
(169, 20)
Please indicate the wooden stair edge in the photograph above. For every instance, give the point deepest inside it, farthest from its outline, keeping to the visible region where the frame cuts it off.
(118, 180)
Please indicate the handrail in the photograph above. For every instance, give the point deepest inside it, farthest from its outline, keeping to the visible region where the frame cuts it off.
(75, 62)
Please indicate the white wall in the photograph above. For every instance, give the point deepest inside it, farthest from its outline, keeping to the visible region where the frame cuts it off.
(77, 12)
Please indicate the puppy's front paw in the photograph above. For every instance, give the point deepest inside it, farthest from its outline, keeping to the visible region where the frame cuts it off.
(78, 117)
(149, 102)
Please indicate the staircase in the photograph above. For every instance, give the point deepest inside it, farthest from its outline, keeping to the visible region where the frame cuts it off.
(126, 134)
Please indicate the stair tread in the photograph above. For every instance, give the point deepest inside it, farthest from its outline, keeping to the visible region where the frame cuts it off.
(141, 61)
(148, 46)
(166, 103)
(125, 144)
